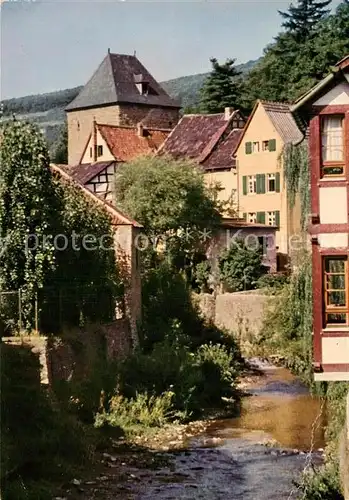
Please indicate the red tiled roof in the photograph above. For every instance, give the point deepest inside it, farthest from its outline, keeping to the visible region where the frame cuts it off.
(84, 172)
(125, 144)
(195, 136)
(117, 216)
(222, 155)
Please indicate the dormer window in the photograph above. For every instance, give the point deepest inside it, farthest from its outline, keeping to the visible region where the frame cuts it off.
(142, 84)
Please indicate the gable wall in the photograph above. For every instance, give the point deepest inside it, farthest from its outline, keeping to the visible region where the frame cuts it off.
(263, 162)
(106, 156)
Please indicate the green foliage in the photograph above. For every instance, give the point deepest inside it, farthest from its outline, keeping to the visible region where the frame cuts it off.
(274, 282)
(34, 205)
(198, 378)
(302, 18)
(294, 159)
(60, 154)
(171, 201)
(202, 273)
(322, 484)
(241, 266)
(39, 102)
(36, 436)
(221, 88)
(28, 206)
(142, 411)
(289, 68)
(288, 322)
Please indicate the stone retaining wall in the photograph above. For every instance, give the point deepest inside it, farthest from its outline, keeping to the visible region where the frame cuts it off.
(76, 352)
(241, 313)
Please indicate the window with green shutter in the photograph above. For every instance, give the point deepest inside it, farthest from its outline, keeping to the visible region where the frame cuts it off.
(277, 182)
(272, 145)
(261, 217)
(244, 184)
(277, 218)
(248, 148)
(260, 183)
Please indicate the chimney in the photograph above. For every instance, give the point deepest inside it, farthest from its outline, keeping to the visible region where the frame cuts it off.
(228, 112)
(140, 129)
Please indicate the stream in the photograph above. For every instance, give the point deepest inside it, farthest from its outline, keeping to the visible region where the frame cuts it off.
(256, 456)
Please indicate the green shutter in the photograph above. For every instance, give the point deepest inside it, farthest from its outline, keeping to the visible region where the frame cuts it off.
(244, 216)
(248, 148)
(272, 145)
(260, 217)
(277, 218)
(244, 184)
(277, 182)
(262, 183)
(258, 184)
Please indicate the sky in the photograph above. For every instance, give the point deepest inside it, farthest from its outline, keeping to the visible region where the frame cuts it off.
(53, 45)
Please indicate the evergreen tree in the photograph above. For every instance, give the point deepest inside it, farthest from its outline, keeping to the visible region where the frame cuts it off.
(60, 154)
(301, 19)
(221, 88)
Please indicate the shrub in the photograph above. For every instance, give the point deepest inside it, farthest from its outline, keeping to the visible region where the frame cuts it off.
(197, 379)
(241, 267)
(36, 434)
(202, 273)
(144, 410)
(273, 281)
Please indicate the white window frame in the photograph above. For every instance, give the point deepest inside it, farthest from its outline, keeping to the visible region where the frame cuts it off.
(252, 217)
(251, 184)
(271, 177)
(255, 147)
(271, 218)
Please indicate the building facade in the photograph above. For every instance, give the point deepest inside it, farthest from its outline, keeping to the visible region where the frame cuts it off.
(262, 194)
(121, 92)
(325, 110)
(210, 142)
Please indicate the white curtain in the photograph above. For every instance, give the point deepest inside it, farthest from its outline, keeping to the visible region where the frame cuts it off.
(332, 138)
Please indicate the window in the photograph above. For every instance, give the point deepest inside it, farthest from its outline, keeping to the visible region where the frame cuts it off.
(252, 217)
(265, 145)
(99, 150)
(271, 218)
(336, 290)
(332, 145)
(255, 147)
(252, 184)
(271, 184)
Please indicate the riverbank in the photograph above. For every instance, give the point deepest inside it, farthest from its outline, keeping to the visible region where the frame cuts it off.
(246, 457)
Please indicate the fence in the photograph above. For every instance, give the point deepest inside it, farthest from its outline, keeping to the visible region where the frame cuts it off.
(55, 308)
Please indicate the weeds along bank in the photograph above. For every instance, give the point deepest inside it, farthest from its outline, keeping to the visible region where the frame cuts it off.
(287, 333)
(183, 370)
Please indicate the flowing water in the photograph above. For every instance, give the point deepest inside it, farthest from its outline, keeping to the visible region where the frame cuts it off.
(256, 456)
(231, 459)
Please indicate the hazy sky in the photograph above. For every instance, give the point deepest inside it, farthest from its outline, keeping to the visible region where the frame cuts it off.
(53, 45)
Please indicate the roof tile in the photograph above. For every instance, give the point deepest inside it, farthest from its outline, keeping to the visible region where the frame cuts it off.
(115, 80)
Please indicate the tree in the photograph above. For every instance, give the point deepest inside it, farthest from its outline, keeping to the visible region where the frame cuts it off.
(221, 88)
(289, 68)
(35, 207)
(241, 266)
(60, 154)
(301, 19)
(28, 208)
(169, 198)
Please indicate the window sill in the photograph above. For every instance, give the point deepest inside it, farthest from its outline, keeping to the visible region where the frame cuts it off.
(342, 328)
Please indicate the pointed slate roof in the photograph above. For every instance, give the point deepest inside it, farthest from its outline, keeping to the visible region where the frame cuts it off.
(115, 80)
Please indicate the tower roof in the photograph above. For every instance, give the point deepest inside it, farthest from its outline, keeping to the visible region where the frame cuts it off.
(116, 80)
